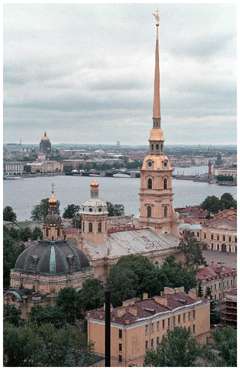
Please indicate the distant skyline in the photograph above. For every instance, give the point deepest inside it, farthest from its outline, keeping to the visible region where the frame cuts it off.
(84, 73)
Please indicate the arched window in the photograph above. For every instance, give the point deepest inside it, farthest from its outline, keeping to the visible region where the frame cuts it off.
(58, 232)
(83, 226)
(99, 227)
(149, 211)
(149, 183)
(90, 227)
(90, 209)
(165, 211)
(157, 146)
(152, 146)
(165, 184)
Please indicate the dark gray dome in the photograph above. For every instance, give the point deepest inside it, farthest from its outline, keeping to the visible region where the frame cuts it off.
(53, 219)
(51, 257)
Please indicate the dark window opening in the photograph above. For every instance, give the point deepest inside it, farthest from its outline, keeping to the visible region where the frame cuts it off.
(165, 184)
(90, 227)
(149, 211)
(149, 184)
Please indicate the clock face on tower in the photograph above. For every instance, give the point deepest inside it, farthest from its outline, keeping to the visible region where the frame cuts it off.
(150, 164)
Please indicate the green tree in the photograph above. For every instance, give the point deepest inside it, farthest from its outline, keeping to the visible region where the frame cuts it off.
(40, 211)
(212, 204)
(25, 234)
(192, 250)
(115, 209)
(178, 348)
(12, 315)
(227, 201)
(71, 211)
(37, 233)
(225, 341)
(214, 312)
(11, 250)
(9, 214)
(48, 315)
(122, 283)
(91, 295)
(68, 301)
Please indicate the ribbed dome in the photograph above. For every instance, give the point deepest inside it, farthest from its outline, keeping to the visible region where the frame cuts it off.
(53, 219)
(51, 257)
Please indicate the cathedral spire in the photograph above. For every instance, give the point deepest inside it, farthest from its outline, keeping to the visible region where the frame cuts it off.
(156, 98)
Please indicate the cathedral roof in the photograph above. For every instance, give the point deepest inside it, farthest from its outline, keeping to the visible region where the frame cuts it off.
(51, 258)
(139, 241)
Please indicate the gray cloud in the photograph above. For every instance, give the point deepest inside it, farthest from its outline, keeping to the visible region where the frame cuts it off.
(90, 68)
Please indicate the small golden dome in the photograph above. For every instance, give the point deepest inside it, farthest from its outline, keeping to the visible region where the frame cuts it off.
(156, 134)
(94, 184)
(52, 200)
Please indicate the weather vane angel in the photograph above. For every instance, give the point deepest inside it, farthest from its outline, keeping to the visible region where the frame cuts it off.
(157, 17)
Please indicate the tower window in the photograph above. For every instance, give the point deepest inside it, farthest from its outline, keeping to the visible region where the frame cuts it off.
(149, 211)
(83, 226)
(149, 183)
(90, 228)
(165, 211)
(152, 146)
(90, 209)
(165, 184)
(157, 147)
(99, 227)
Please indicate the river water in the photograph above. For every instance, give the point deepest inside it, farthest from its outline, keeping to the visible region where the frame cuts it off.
(24, 193)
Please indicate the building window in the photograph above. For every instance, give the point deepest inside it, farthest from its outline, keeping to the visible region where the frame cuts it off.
(120, 347)
(165, 211)
(99, 227)
(198, 234)
(120, 358)
(173, 321)
(157, 146)
(149, 183)
(100, 209)
(152, 343)
(230, 239)
(224, 238)
(83, 226)
(152, 146)
(146, 344)
(193, 328)
(90, 228)
(149, 211)
(194, 313)
(179, 319)
(158, 341)
(152, 327)
(120, 333)
(163, 324)
(90, 209)
(211, 236)
(217, 237)
(168, 323)
(205, 236)
(235, 239)
(212, 246)
(157, 325)
(184, 317)
(165, 184)
(146, 329)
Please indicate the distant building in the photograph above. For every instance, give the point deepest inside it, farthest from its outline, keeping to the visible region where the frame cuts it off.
(45, 146)
(12, 168)
(216, 279)
(46, 167)
(228, 311)
(140, 325)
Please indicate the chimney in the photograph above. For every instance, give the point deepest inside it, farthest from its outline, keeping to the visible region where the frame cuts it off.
(179, 289)
(192, 293)
(145, 296)
(161, 300)
(129, 302)
(168, 290)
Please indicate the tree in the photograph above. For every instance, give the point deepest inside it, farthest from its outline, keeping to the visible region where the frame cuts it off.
(9, 214)
(44, 345)
(68, 301)
(37, 233)
(178, 348)
(200, 291)
(25, 234)
(71, 211)
(214, 312)
(212, 204)
(227, 201)
(192, 251)
(115, 209)
(225, 341)
(91, 295)
(11, 250)
(48, 315)
(40, 211)
(12, 315)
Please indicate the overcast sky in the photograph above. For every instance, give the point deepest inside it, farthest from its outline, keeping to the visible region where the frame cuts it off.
(84, 73)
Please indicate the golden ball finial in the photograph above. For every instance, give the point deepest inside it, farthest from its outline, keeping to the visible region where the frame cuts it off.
(52, 200)
(94, 184)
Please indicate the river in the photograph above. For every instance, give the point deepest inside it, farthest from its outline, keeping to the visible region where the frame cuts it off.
(24, 193)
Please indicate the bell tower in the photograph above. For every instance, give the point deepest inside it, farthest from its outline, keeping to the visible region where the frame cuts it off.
(156, 195)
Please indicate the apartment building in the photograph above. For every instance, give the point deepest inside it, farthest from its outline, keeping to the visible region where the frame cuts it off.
(140, 325)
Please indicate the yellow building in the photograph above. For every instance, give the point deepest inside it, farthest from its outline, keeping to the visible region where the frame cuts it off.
(140, 325)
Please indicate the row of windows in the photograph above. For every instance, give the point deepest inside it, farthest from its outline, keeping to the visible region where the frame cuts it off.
(218, 237)
(158, 339)
(224, 284)
(149, 211)
(90, 209)
(90, 227)
(156, 147)
(163, 323)
(222, 248)
(150, 183)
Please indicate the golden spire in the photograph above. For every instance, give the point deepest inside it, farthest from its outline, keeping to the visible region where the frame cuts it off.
(52, 200)
(94, 186)
(156, 98)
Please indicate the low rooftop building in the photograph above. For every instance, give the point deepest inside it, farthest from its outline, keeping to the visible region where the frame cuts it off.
(229, 308)
(140, 325)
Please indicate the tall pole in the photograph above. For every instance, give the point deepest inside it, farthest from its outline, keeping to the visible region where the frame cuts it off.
(107, 327)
